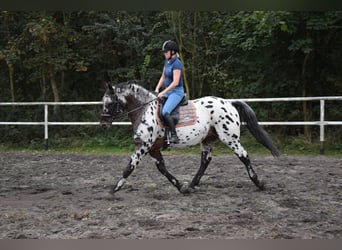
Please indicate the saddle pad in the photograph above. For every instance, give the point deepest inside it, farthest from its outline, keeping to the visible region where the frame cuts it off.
(187, 115)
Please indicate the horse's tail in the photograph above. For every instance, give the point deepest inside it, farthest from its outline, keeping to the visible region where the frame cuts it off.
(247, 115)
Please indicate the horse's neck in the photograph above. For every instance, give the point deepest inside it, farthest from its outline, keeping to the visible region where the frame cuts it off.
(136, 108)
(142, 94)
(137, 99)
(132, 102)
(137, 92)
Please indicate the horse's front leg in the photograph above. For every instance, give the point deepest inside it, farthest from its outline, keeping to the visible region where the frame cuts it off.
(162, 169)
(127, 172)
(133, 163)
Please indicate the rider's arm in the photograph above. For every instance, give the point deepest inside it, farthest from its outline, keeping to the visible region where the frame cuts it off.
(161, 81)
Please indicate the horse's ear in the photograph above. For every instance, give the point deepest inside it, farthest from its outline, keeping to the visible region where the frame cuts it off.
(110, 88)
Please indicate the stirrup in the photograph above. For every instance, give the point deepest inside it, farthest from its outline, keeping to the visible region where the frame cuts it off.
(174, 139)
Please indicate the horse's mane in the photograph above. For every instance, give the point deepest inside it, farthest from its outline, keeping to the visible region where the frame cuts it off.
(135, 89)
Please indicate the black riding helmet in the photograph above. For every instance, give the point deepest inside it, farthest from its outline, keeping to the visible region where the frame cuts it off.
(170, 46)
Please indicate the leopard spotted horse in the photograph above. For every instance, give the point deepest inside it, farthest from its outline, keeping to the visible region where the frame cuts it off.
(216, 118)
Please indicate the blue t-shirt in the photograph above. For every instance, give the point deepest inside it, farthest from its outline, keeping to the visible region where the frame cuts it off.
(169, 66)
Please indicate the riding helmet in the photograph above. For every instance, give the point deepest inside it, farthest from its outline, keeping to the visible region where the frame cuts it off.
(169, 46)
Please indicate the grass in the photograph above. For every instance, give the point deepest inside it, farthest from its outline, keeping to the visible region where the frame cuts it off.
(118, 144)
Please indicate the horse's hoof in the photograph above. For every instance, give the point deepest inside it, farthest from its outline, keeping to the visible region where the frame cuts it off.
(186, 189)
(261, 185)
(113, 190)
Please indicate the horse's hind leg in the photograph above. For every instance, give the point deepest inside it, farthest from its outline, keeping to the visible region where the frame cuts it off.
(240, 152)
(162, 169)
(205, 160)
(251, 173)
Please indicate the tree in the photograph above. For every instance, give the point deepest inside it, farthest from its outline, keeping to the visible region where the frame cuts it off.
(59, 55)
(9, 51)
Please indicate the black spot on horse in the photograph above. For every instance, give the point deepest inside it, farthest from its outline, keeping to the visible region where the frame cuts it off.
(224, 126)
(224, 109)
(209, 106)
(229, 118)
(235, 136)
(150, 129)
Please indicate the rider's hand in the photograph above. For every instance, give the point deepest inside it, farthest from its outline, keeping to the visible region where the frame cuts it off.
(161, 94)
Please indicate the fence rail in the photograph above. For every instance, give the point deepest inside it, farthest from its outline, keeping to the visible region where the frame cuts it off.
(321, 123)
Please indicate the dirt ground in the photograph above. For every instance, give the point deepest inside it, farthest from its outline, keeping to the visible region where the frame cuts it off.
(52, 195)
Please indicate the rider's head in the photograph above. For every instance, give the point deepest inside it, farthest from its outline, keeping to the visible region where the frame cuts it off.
(170, 46)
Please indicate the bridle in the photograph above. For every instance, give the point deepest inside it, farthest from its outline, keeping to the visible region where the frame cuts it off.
(118, 108)
(114, 108)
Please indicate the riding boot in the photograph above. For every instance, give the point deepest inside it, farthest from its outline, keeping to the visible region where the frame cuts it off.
(169, 121)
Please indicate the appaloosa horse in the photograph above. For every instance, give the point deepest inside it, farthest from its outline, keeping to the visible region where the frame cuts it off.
(215, 118)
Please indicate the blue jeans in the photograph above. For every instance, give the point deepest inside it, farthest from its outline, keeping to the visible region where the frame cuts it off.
(171, 103)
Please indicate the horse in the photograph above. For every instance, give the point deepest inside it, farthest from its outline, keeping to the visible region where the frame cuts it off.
(216, 118)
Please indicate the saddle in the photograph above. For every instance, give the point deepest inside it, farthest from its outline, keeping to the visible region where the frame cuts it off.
(183, 115)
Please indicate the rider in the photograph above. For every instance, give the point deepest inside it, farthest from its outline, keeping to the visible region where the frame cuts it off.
(172, 80)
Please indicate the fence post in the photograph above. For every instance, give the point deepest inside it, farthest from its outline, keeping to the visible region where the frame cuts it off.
(46, 132)
(321, 125)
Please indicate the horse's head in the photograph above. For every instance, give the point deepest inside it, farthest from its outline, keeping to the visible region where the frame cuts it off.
(112, 106)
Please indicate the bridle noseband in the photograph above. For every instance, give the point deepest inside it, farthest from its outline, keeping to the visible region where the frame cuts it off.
(114, 108)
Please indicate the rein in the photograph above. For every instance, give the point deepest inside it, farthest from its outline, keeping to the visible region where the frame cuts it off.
(135, 109)
(141, 106)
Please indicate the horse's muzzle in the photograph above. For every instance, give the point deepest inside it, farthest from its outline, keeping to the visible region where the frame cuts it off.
(106, 121)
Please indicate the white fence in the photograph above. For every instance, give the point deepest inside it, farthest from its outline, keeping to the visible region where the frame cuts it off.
(321, 123)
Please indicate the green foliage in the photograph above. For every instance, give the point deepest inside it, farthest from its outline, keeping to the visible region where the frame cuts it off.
(68, 55)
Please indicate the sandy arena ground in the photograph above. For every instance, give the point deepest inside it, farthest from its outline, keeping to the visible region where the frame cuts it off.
(52, 195)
